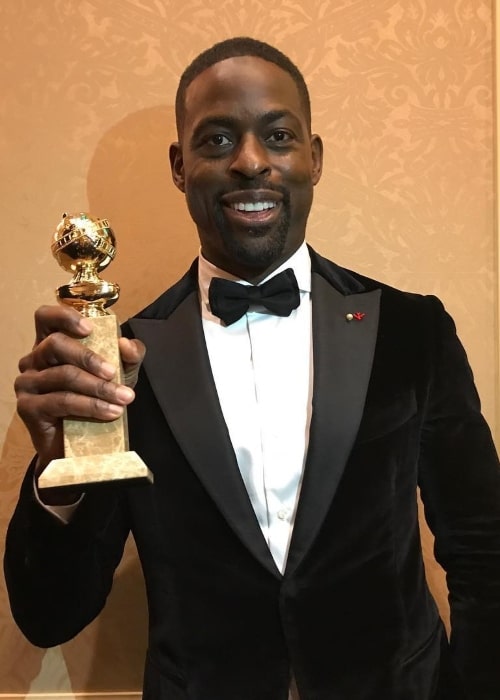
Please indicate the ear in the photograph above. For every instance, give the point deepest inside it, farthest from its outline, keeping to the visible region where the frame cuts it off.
(317, 158)
(177, 165)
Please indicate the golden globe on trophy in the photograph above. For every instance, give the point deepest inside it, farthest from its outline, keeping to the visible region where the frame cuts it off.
(94, 452)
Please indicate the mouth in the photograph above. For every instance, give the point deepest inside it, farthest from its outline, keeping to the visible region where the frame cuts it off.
(252, 207)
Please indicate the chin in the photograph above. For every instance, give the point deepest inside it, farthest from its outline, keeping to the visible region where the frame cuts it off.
(257, 248)
(259, 254)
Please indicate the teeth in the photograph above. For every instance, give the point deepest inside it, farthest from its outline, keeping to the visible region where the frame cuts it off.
(253, 206)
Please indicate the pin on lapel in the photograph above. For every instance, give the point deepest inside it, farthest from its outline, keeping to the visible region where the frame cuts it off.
(356, 316)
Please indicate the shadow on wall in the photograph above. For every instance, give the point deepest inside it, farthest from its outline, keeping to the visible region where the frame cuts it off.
(128, 182)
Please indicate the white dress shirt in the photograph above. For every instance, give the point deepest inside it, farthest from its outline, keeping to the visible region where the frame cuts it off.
(262, 367)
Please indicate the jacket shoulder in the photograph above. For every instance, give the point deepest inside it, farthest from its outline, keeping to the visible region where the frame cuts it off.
(350, 282)
(170, 299)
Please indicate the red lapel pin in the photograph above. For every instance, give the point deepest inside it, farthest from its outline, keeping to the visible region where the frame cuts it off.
(357, 315)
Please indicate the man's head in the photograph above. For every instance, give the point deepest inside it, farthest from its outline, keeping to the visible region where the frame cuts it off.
(231, 48)
(246, 159)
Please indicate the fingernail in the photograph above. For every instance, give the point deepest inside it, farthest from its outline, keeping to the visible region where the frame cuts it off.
(123, 393)
(114, 411)
(108, 369)
(84, 325)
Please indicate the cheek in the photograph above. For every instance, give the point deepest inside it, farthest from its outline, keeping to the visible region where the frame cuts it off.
(297, 174)
(301, 191)
(197, 205)
(201, 189)
(299, 181)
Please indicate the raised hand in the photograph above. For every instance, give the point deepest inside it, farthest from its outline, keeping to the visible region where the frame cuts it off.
(62, 378)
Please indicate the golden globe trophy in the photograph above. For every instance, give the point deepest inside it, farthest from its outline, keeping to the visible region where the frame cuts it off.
(94, 452)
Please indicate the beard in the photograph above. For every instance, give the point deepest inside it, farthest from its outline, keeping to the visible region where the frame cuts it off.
(262, 245)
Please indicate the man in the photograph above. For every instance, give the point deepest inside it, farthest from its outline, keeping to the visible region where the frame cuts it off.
(280, 541)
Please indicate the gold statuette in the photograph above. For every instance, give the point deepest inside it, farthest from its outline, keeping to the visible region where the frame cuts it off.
(94, 452)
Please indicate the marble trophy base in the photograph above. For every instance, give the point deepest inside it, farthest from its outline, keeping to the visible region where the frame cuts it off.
(96, 452)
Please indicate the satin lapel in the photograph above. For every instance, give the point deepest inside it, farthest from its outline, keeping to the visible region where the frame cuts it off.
(343, 355)
(178, 368)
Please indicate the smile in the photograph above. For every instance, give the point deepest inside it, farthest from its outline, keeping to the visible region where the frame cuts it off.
(252, 206)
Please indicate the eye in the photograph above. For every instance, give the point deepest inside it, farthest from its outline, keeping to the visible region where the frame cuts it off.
(218, 140)
(280, 136)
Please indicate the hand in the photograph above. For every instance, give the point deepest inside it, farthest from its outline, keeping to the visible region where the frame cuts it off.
(61, 378)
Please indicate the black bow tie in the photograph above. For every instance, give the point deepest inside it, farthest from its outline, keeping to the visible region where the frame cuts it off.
(230, 300)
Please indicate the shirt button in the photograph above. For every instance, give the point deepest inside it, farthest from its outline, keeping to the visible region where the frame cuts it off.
(283, 514)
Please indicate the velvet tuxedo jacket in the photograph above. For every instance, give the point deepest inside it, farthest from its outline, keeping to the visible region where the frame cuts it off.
(394, 408)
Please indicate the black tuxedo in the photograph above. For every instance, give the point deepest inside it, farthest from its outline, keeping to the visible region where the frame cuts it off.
(394, 408)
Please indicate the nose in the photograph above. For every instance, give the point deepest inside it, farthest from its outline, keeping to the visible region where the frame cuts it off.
(251, 158)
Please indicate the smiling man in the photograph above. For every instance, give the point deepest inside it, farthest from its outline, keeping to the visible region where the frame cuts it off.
(247, 162)
(288, 422)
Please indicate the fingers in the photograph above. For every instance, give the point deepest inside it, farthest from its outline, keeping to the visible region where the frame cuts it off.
(58, 331)
(60, 364)
(49, 408)
(60, 349)
(46, 397)
(70, 390)
(132, 353)
(61, 318)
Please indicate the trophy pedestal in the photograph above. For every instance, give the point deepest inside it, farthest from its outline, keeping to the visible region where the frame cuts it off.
(82, 472)
(96, 452)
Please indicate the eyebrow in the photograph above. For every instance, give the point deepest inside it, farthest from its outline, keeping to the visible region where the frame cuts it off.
(224, 121)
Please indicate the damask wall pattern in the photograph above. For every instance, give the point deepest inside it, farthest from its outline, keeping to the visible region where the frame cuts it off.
(402, 93)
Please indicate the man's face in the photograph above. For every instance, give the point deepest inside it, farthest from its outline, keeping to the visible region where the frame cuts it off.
(247, 164)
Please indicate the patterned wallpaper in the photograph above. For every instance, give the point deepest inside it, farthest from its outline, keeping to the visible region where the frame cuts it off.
(402, 94)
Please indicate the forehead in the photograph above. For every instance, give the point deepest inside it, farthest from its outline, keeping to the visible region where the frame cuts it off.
(241, 86)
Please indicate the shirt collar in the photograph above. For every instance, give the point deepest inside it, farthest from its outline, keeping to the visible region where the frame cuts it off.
(300, 262)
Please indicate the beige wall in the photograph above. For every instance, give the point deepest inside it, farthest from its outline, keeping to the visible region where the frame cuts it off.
(402, 94)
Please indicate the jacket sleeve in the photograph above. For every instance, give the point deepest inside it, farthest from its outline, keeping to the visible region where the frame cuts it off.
(459, 478)
(59, 576)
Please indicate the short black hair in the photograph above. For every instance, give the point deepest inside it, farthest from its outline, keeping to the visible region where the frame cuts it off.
(230, 48)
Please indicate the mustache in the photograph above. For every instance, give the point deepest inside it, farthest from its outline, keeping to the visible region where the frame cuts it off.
(256, 184)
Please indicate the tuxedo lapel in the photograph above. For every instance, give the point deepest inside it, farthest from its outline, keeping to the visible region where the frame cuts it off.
(178, 369)
(343, 354)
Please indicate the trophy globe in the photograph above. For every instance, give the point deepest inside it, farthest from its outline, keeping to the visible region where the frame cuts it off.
(84, 246)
